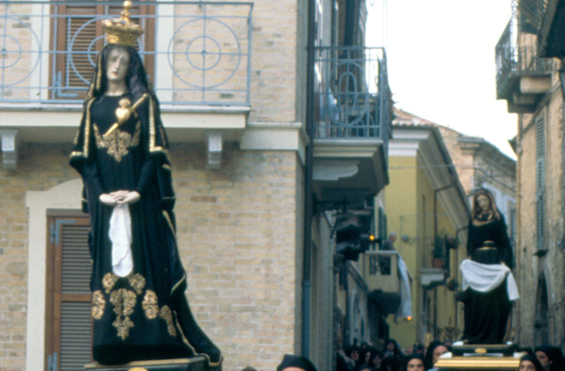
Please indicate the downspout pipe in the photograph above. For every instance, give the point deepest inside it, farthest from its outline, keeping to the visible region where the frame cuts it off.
(451, 184)
(308, 183)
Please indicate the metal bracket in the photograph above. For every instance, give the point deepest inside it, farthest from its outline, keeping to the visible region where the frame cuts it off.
(214, 145)
(9, 148)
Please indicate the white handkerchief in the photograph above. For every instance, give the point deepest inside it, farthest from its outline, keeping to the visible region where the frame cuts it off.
(120, 235)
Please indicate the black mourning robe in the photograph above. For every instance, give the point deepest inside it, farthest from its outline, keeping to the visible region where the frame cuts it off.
(144, 315)
(486, 314)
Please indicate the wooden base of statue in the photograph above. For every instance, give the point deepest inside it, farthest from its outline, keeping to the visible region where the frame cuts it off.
(481, 357)
(197, 363)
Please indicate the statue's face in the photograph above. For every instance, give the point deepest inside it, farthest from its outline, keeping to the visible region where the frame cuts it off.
(484, 202)
(117, 65)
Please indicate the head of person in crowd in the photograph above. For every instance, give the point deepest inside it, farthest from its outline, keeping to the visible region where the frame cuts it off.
(434, 351)
(391, 347)
(414, 362)
(391, 363)
(295, 363)
(530, 363)
(375, 358)
(550, 357)
(365, 367)
(352, 352)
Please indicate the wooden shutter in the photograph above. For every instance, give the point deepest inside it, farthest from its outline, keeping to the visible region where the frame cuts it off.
(540, 182)
(69, 325)
(75, 27)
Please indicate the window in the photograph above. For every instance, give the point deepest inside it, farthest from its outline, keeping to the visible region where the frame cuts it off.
(78, 37)
(68, 341)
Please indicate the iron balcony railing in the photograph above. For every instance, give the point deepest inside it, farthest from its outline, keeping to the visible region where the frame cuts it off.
(195, 52)
(514, 61)
(352, 95)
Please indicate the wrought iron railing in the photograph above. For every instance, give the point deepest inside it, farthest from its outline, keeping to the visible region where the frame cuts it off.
(514, 61)
(195, 52)
(352, 95)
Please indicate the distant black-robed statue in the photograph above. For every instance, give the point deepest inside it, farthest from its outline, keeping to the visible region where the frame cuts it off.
(488, 284)
(139, 308)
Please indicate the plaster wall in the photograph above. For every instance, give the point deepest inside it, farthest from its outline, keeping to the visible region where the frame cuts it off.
(402, 208)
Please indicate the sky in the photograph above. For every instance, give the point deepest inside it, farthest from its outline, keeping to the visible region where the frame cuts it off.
(440, 56)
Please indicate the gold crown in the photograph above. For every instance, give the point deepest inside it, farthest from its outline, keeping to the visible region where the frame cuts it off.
(122, 31)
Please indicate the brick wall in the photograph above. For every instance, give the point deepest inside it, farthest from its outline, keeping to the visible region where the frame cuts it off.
(236, 234)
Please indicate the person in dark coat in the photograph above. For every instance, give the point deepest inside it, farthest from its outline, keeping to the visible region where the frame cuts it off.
(550, 357)
(434, 351)
(530, 363)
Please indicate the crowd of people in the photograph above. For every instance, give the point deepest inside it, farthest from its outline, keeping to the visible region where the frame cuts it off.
(389, 356)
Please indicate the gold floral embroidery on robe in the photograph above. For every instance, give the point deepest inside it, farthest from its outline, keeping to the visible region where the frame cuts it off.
(124, 302)
(167, 315)
(137, 282)
(149, 304)
(117, 142)
(109, 281)
(98, 304)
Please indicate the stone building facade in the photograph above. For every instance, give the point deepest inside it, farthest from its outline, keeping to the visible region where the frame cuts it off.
(529, 81)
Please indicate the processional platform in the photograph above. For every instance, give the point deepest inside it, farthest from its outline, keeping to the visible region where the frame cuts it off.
(470, 357)
(197, 363)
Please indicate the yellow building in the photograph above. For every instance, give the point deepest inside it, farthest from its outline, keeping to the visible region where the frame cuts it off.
(427, 207)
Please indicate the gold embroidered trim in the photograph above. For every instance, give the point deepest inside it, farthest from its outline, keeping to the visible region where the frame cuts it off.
(169, 222)
(149, 304)
(98, 304)
(117, 142)
(163, 136)
(166, 314)
(137, 282)
(109, 281)
(75, 141)
(152, 146)
(124, 302)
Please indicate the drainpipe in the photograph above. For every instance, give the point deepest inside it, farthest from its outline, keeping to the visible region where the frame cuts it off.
(308, 183)
(562, 80)
(451, 184)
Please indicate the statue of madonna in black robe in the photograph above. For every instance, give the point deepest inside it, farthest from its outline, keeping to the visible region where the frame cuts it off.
(142, 313)
(487, 313)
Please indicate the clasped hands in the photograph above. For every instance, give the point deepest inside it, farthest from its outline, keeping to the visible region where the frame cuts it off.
(119, 198)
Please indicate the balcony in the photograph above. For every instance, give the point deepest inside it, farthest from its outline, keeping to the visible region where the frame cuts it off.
(381, 274)
(196, 53)
(522, 76)
(353, 123)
